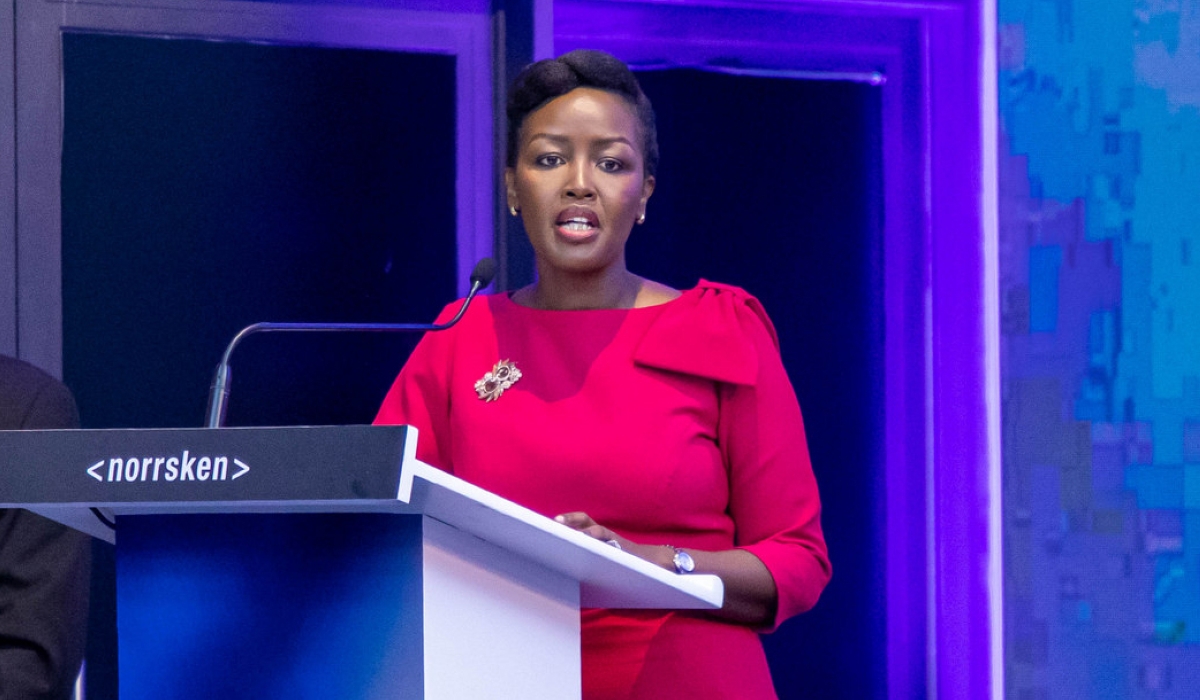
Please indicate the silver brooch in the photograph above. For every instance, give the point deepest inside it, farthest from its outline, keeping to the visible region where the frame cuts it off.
(493, 384)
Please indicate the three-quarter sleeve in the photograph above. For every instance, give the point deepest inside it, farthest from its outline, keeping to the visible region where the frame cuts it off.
(774, 500)
(722, 333)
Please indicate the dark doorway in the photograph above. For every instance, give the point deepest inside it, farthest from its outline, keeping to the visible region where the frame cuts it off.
(775, 185)
(208, 185)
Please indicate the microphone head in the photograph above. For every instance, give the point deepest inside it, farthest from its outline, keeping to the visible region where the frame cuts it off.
(483, 273)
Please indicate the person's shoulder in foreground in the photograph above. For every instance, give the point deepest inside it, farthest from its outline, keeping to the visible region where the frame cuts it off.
(31, 399)
(44, 566)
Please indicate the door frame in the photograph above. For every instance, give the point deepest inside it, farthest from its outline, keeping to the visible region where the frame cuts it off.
(31, 305)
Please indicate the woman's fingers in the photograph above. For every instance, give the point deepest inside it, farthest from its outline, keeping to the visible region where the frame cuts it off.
(584, 523)
(660, 556)
(577, 520)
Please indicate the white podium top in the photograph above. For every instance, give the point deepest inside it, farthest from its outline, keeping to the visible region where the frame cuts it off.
(608, 577)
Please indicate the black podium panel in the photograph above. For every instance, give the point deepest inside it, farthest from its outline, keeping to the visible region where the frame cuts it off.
(113, 467)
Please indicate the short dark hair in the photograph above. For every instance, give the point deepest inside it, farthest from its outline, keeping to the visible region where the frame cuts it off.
(547, 79)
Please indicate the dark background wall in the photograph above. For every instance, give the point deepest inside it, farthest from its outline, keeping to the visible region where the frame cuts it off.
(210, 185)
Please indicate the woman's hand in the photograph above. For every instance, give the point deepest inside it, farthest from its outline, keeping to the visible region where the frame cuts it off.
(655, 554)
(750, 594)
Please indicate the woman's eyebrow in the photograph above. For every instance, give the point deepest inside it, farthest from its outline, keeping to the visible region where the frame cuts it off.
(614, 139)
(560, 138)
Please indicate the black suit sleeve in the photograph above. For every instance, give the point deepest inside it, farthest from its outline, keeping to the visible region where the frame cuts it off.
(44, 566)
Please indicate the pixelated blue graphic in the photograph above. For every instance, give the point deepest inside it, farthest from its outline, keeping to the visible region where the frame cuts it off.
(1044, 262)
(1100, 286)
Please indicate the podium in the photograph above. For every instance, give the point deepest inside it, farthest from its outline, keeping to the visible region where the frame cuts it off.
(326, 562)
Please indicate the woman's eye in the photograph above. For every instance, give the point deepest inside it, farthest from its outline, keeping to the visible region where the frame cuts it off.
(550, 160)
(611, 165)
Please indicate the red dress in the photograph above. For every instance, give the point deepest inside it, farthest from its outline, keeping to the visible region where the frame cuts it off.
(670, 424)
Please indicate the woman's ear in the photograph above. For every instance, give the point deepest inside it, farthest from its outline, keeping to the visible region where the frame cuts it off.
(647, 190)
(510, 189)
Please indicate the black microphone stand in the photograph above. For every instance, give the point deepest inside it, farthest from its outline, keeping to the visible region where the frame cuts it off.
(218, 397)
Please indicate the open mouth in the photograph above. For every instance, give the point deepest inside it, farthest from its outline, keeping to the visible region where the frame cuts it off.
(577, 223)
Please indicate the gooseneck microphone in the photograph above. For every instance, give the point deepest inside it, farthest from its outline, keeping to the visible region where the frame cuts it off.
(218, 397)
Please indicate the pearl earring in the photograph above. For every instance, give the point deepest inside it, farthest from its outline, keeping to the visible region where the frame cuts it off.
(514, 211)
(641, 219)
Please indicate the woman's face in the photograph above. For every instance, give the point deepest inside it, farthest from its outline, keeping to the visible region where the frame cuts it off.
(579, 180)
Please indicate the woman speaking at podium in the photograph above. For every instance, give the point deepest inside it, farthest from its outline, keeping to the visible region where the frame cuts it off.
(656, 420)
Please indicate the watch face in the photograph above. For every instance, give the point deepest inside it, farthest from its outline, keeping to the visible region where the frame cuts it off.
(684, 564)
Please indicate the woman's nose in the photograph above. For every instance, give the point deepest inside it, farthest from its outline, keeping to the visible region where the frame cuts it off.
(579, 185)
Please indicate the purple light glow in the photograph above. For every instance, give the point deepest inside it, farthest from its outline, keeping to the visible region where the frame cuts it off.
(989, 113)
